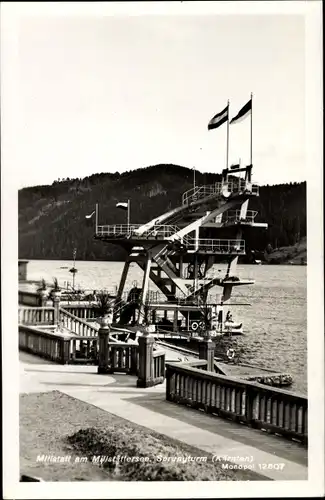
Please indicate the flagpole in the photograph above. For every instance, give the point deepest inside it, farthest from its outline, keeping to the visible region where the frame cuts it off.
(96, 217)
(227, 155)
(251, 162)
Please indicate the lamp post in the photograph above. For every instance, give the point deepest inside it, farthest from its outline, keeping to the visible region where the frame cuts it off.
(73, 270)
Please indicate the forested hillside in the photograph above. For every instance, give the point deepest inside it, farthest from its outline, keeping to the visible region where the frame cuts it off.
(52, 218)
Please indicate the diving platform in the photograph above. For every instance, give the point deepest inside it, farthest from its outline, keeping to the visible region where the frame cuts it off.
(231, 188)
(178, 249)
(111, 233)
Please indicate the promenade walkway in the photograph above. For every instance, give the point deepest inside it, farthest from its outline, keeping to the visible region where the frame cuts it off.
(118, 395)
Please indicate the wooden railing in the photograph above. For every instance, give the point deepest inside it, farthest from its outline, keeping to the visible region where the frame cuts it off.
(82, 311)
(76, 325)
(36, 315)
(124, 358)
(158, 366)
(47, 345)
(84, 351)
(275, 410)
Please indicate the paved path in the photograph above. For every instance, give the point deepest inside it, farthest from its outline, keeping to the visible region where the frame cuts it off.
(118, 394)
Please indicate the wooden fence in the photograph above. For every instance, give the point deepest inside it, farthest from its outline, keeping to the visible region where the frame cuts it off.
(47, 345)
(67, 349)
(275, 410)
(36, 315)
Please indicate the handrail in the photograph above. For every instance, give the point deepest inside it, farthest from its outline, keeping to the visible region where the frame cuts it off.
(35, 308)
(35, 315)
(254, 404)
(116, 229)
(241, 186)
(53, 346)
(232, 186)
(199, 192)
(77, 325)
(163, 231)
(233, 216)
(217, 245)
(81, 311)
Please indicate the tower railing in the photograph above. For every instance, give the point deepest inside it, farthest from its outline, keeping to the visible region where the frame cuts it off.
(221, 246)
(124, 230)
(233, 186)
(116, 229)
(200, 192)
(242, 186)
(217, 246)
(233, 216)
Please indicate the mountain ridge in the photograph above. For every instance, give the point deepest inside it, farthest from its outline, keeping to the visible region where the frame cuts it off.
(52, 217)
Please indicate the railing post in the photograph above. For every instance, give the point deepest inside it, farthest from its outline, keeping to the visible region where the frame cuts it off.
(134, 360)
(42, 298)
(249, 406)
(168, 383)
(65, 351)
(145, 375)
(104, 365)
(56, 304)
(206, 351)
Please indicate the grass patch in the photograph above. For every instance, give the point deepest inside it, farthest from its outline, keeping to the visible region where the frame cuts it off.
(55, 424)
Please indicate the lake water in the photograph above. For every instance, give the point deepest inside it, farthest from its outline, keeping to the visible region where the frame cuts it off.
(275, 323)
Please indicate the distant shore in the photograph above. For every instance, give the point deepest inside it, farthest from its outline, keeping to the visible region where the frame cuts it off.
(293, 255)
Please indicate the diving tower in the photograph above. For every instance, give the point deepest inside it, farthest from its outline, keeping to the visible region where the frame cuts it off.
(178, 249)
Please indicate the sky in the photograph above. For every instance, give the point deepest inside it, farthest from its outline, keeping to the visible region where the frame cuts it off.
(114, 93)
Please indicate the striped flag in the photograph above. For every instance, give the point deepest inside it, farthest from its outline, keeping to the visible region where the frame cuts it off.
(245, 111)
(90, 216)
(122, 205)
(219, 119)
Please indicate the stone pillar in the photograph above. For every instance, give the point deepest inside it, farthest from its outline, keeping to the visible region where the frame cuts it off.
(56, 304)
(206, 351)
(145, 374)
(104, 365)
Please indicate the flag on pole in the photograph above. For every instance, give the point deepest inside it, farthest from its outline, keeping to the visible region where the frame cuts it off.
(245, 111)
(90, 216)
(123, 205)
(219, 119)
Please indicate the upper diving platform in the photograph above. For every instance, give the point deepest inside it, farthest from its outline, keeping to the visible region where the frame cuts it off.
(164, 233)
(213, 206)
(226, 189)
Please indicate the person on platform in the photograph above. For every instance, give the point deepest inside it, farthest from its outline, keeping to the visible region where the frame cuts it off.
(229, 317)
